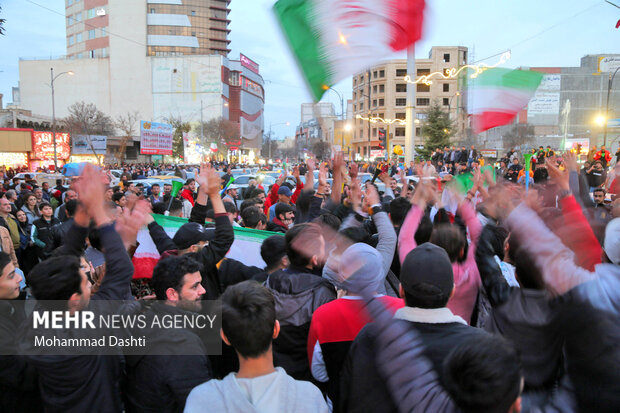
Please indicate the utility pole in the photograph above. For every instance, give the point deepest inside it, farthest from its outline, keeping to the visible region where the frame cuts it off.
(202, 130)
(410, 109)
(52, 78)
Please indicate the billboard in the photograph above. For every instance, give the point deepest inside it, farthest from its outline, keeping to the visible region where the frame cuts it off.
(608, 64)
(43, 146)
(155, 138)
(544, 103)
(81, 146)
(249, 63)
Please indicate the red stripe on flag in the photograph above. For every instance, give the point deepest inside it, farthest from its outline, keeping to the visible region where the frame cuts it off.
(487, 120)
(407, 17)
(143, 267)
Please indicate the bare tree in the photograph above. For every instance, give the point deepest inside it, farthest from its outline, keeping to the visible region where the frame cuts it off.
(180, 126)
(86, 119)
(2, 21)
(222, 131)
(126, 124)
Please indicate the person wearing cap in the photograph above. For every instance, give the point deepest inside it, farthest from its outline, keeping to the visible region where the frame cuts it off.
(336, 324)
(287, 196)
(231, 194)
(189, 190)
(427, 283)
(284, 197)
(207, 245)
(284, 219)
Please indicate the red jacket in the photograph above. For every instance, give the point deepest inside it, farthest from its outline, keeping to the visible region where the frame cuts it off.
(272, 197)
(599, 156)
(187, 194)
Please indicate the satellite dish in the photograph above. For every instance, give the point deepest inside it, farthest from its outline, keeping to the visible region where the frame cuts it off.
(100, 12)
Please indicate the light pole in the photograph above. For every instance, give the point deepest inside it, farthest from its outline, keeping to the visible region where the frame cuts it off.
(611, 79)
(270, 126)
(53, 78)
(340, 97)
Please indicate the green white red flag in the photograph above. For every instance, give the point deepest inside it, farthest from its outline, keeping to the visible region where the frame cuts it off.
(333, 39)
(499, 94)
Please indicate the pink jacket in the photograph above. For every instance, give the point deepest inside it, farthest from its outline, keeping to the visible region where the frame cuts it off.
(466, 275)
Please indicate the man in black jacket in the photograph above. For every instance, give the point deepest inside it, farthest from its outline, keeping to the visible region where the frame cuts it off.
(82, 381)
(176, 362)
(299, 291)
(427, 283)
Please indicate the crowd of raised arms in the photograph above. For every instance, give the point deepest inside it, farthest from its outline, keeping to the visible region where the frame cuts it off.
(443, 285)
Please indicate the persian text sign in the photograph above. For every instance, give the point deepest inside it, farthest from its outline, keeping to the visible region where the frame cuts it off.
(155, 138)
(43, 146)
(249, 63)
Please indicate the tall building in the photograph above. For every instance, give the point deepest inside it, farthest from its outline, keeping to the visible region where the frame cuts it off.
(381, 91)
(173, 27)
(169, 67)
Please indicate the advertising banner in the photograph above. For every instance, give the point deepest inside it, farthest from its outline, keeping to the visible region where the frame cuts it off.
(544, 103)
(489, 153)
(43, 146)
(249, 63)
(155, 138)
(81, 146)
(608, 64)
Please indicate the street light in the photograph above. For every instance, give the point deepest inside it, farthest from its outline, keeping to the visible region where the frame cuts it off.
(611, 79)
(52, 77)
(270, 126)
(600, 120)
(326, 88)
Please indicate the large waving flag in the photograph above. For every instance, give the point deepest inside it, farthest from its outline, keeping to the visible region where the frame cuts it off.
(333, 39)
(499, 94)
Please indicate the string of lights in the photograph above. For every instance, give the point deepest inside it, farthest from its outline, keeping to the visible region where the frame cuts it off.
(373, 119)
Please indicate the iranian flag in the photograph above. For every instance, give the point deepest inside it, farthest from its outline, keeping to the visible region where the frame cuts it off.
(333, 39)
(245, 248)
(499, 94)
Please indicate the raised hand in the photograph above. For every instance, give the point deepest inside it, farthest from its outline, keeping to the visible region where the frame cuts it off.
(557, 176)
(202, 178)
(131, 220)
(311, 164)
(91, 190)
(570, 160)
(372, 195)
(353, 170)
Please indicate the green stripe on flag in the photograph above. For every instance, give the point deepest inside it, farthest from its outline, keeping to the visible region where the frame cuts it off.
(296, 17)
(245, 234)
(509, 78)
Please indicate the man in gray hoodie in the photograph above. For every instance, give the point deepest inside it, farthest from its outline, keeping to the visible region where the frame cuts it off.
(249, 325)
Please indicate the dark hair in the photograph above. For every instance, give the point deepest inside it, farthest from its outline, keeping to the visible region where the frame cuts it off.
(159, 208)
(526, 270)
(250, 202)
(44, 204)
(357, 234)
(599, 190)
(157, 185)
(296, 258)
(450, 238)
(256, 192)
(498, 237)
(272, 250)
(176, 205)
(189, 181)
(251, 216)
(424, 231)
(70, 207)
(230, 207)
(116, 189)
(5, 259)
(248, 318)
(117, 196)
(399, 208)
(328, 219)
(483, 374)
(56, 278)
(169, 273)
(282, 208)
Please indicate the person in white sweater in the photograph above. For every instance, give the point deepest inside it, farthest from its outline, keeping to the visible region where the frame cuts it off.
(249, 325)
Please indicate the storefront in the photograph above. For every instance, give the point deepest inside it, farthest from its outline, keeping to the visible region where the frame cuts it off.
(43, 149)
(15, 145)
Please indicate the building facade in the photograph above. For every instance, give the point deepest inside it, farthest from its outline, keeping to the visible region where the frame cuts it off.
(381, 91)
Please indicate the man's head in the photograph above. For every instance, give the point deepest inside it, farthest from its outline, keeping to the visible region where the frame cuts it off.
(192, 236)
(399, 208)
(285, 213)
(61, 278)
(598, 165)
(426, 277)
(167, 189)
(131, 187)
(602, 148)
(46, 210)
(231, 191)
(9, 279)
(38, 192)
(515, 161)
(273, 252)
(119, 199)
(472, 146)
(155, 189)
(11, 195)
(484, 375)
(253, 217)
(191, 184)
(360, 263)
(177, 280)
(310, 235)
(58, 182)
(70, 194)
(5, 206)
(599, 196)
(285, 194)
(249, 319)
(232, 212)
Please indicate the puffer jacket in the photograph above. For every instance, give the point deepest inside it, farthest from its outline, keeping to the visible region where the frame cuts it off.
(298, 293)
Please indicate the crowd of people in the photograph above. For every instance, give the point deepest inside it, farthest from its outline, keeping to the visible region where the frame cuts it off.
(421, 296)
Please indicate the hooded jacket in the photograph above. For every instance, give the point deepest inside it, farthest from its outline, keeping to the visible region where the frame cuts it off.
(159, 381)
(274, 392)
(298, 293)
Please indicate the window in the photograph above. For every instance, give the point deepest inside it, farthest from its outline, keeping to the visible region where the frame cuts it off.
(194, 34)
(401, 87)
(401, 72)
(381, 73)
(91, 34)
(80, 55)
(69, 2)
(381, 88)
(70, 20)
(422, 72)
(446, 57)
(418, 131)
(374, 89)
(446, 101)
(446, 87)
(421, 116)
(91, 13)
(104, 52)
(421, 87)
(103, 32)
(374, 103)
(78, 16)
(380, 115)
(361, 133)
(423, 101)
(399, 132)
(446, 71)
(70, 40)
(374, 74)
(374, 132)
(401, 102)
(78, 37)
(361, 105)
(381, 103)
(354, 82)
(152, 10)
(193, 12)
(401, 115)
(354, 108)
(91, 54)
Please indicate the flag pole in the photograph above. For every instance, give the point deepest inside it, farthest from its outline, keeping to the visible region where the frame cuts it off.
(410, 109)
